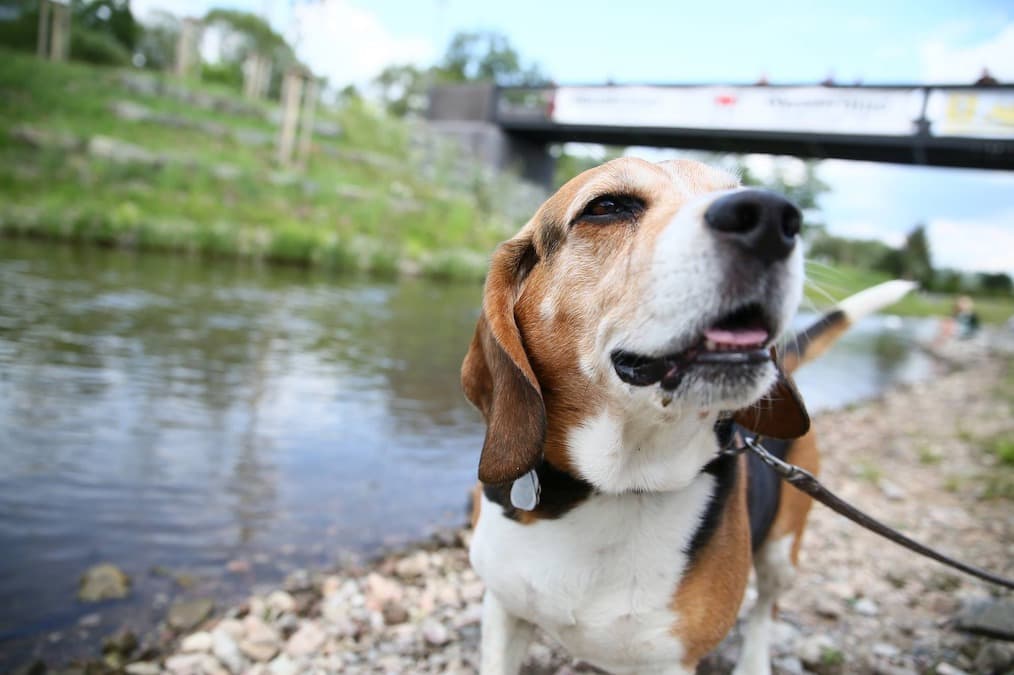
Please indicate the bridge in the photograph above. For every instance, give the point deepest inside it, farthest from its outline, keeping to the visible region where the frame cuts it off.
(953, 126)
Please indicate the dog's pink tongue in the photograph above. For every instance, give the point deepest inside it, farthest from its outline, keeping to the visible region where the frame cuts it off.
(737, 338)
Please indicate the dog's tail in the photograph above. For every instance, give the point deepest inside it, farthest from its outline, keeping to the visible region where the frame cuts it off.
(815, 339)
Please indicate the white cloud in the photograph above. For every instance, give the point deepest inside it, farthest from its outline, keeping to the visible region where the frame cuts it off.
(865, 229)
(944, 61)
(348, 44)
(982, 245)
(142, 9)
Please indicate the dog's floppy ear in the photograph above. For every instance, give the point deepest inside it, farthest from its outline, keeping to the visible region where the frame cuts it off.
(497, 377)
(780, 413)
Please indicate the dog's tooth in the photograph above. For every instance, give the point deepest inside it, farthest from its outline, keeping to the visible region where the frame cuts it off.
(710, 345)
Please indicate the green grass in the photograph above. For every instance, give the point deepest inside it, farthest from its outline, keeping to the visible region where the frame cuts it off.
(1003, 448)
(870, 472)
(826, 285)
(927, 456)
(361, 204)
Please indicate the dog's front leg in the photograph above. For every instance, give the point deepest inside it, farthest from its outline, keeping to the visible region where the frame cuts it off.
(505, 638)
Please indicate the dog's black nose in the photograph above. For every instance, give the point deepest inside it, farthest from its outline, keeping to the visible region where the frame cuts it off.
(763, 223)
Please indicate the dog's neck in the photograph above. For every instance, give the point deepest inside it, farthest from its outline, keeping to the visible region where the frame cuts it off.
(620, 453)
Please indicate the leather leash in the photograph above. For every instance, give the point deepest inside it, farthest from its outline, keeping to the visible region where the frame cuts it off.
(804, 481)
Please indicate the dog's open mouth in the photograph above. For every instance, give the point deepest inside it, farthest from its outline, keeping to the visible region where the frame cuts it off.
(737, 339)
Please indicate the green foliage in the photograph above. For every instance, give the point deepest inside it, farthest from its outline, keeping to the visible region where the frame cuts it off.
(361, 205)
(996, 283)
(246, 34)
(482, 56)
(1003, 448)
(403, 88)
(97, 47)
(103, 32)
(916, 257)
(486, 56)
(109, 17)
(226, 73)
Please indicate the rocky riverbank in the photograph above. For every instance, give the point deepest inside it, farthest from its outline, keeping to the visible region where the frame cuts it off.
(934, 459)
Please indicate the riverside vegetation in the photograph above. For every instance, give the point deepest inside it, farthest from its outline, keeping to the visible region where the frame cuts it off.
(127, 158)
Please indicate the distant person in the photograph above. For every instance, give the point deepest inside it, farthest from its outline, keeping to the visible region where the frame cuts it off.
(963, 322)
(986, 79)
(828, 81)
(762, 81)
(965, 319)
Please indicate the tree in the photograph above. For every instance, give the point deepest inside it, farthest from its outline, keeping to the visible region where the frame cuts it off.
(243, 34)
(916, 254)
(996, 283)
(402, 88)
(112, 17)
(103, 31)
(486, 56)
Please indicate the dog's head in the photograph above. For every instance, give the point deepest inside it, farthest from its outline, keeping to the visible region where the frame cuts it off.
(647, 293)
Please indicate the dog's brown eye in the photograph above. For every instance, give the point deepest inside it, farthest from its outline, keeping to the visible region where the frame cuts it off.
(609, 208)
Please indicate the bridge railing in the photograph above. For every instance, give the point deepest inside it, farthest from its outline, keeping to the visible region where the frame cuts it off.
(897, 111)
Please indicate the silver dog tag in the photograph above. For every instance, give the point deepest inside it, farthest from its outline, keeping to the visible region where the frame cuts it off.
(525, 492)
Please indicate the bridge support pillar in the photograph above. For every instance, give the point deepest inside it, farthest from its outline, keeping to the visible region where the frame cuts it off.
(466, 113)
(489, 144)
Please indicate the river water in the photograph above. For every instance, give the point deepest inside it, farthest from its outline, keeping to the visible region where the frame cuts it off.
(169, 414)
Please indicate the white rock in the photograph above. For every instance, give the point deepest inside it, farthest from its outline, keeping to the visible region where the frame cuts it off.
(811, 649)
(412, 566)
(227, 651)
(381, 589)
(259, 652)
(435, 633)
(890, 490)
(199, 642)
(331, 585)
(866, 607)
(885, 650)
(470, 616)
(142, 668)
(306, 641)
(472, 591)
(280, 602)
(947, 669)
(255, 630)
(789, 665)
(233, 627)
(827, 607)
(190, 664)
(283, 665)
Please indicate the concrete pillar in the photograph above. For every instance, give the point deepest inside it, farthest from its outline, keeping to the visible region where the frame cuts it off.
(42, 43)
(187, 46)
(59, 39)
(292, 90)
(466, 113)
(306, 123)
(256, 76)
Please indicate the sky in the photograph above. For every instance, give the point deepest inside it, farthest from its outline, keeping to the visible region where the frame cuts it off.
(969, 214)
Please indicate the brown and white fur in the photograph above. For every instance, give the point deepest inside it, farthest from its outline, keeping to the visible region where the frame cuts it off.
(638, 555)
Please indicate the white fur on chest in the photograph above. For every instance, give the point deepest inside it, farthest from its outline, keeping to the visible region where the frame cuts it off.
(601, 578)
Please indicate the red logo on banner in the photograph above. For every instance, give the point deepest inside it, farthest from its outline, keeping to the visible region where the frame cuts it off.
(725, 99)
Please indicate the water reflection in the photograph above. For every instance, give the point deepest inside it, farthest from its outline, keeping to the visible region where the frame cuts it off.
(164, 412)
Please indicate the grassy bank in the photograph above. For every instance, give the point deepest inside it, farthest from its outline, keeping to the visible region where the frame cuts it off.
(825, 285)
(125, 158)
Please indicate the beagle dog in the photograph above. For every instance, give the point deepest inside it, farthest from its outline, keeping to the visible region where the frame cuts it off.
(623, 330)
